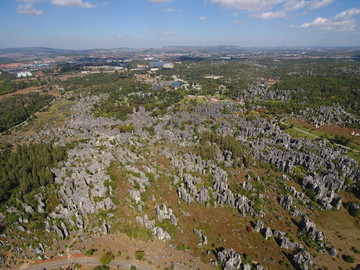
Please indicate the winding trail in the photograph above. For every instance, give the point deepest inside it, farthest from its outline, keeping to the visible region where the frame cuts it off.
(121, 264)
(307, 133)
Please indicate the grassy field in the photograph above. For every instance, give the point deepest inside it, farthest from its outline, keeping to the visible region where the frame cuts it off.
(55, 112)
(354, 155)
(342, 231)
(298, 134)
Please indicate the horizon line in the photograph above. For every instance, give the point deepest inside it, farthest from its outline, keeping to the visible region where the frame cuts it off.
(191, 46)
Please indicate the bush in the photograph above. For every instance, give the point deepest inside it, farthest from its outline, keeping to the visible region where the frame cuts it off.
(353, 209)
(348, 258)
(340, 139)
(140, 255)
(133, 267)
(206, 151)
(106, 258)
(90, 252)
(101, 267)
(356, 250)
(124, 128)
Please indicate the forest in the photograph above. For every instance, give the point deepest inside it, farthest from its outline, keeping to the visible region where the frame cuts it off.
(9, 84)
(314, 91)
(28, 167)
(18, 108)
(226, 143)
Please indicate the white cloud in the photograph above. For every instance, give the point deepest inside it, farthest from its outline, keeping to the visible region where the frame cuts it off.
(202, 18)
(292, 5)
(238, 21)
(347, 14)
(235, 14)
(331, 25)
(120, 35)
(269, 15)
(166, 33)
(27, 7)
(248, 5)
(342, 22)
(315, 4)
(271, 9)
(72, 3)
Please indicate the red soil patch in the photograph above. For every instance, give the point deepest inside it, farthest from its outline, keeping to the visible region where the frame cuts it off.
(330, 129)
(22, 92)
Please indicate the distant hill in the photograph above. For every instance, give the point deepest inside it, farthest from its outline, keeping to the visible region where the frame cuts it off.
(53, 51)
(38, 51)
(219, 48)
(29, 50)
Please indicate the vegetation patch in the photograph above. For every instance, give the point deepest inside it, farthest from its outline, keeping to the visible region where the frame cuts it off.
(28, 167)
(90, 252)
(140, 255)
(106, 258)
(348, 258)
(18, 108)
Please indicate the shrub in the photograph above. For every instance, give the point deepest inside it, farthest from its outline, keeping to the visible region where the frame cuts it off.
(140, 255)
(348, 258)
(101, 267)
(353, 209)
(106, 258)
(170, 268)
(133, 267)
(124, 128)
(90, 252)
(356, 250)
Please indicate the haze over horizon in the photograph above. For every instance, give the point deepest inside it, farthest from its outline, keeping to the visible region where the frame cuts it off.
(81, 24)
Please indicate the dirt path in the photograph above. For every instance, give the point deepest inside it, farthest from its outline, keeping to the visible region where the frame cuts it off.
(122, 264)
(305, 132)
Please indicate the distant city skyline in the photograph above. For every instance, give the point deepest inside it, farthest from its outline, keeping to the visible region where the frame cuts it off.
(89, 24)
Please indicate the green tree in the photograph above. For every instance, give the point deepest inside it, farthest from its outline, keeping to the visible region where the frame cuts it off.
(106, 258)
(140, 255)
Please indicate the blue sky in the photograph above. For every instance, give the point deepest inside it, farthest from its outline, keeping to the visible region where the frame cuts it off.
(87, 24)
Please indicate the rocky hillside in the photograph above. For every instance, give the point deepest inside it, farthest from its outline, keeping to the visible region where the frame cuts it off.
(224, 184)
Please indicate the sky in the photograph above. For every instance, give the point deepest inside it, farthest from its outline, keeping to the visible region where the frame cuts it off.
(89, 24)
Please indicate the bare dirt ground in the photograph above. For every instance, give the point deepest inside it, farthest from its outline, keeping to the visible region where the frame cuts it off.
(22, 92)
(157, 253)
(342, 231)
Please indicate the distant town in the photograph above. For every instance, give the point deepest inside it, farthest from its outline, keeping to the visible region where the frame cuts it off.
(24, 64)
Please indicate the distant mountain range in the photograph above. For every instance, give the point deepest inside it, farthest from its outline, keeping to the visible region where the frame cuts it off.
(33, 50)
(46, 50)
(203, 49)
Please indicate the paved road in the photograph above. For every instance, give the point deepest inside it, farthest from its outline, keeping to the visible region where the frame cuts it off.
(121, 264)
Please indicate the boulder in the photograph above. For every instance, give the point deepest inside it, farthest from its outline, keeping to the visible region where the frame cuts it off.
(303, 260)
(229, 259)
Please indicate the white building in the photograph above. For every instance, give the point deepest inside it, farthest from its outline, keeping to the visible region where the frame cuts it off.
(24, 74)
